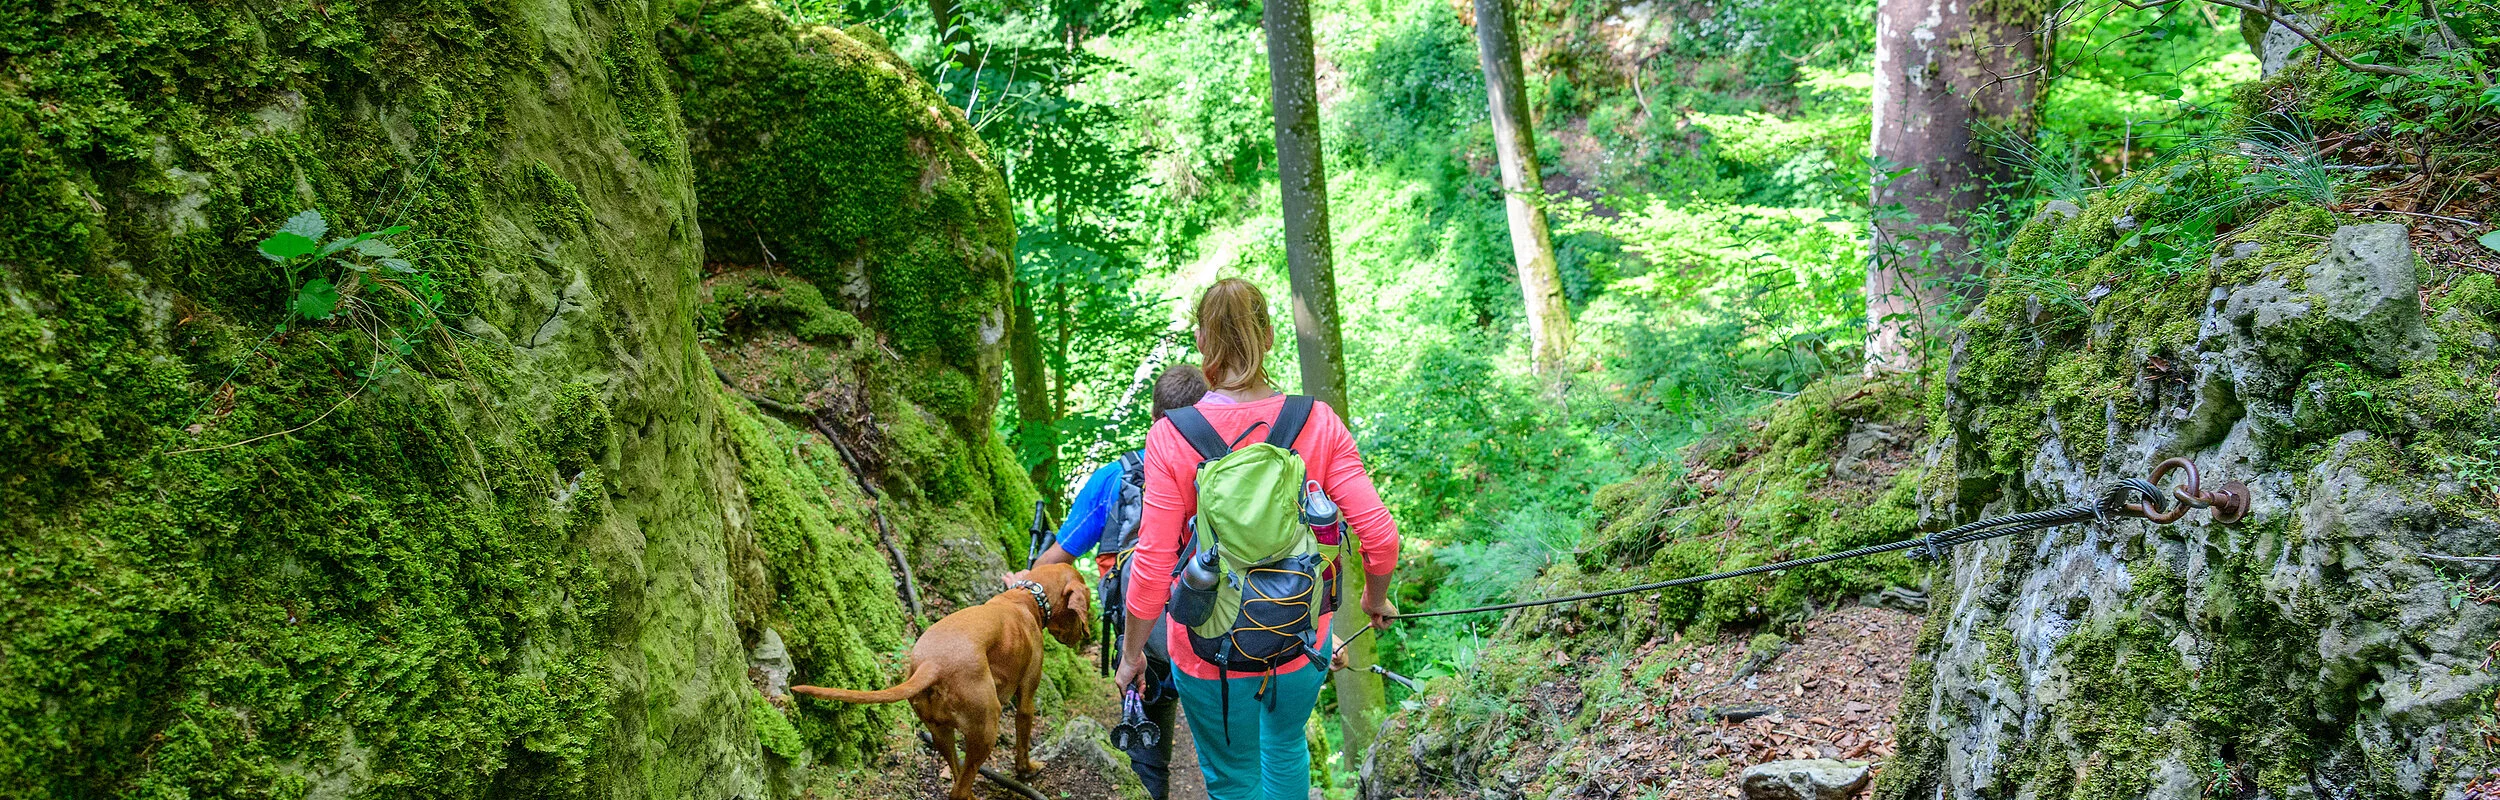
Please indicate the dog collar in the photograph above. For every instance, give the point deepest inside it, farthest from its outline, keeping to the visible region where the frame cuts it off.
(1039, 598)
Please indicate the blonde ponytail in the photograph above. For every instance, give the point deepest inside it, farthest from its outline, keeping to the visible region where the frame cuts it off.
(1234, 335)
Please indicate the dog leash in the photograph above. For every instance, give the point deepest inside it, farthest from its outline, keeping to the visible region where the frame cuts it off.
(2228, 502)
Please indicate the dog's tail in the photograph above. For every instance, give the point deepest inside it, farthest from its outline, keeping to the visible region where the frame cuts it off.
(922, 677)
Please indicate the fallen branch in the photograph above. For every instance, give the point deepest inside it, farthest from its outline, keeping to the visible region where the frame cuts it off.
(2458, 220)
(2289, 25)
(2365, 169)
(2463, 559)
(1012, 784)
(911, 587)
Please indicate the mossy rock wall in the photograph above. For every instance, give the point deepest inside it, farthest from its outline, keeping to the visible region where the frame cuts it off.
(860, 240)
(526, 546)
(2314, 650)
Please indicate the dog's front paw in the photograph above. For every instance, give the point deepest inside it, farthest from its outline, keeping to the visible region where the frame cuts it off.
(1029, 769)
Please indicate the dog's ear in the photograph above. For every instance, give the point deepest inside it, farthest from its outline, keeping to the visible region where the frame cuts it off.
(1071, 623)
(1074, 597)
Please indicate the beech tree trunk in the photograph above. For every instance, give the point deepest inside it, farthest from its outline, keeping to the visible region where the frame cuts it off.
(1523, 190)
(1303, 181)
(1941, 66)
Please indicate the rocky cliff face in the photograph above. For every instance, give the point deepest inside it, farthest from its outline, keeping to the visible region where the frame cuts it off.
(2326, 646)
(2319, 648)
(482, 522)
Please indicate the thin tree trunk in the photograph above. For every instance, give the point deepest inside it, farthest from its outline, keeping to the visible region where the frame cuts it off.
(1941, 66)
(1303, 182)
(1523, 191)
(1303, 179)
(1037, 419)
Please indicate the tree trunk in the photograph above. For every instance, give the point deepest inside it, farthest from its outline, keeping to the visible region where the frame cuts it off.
(1523, 191)
(1941, 66)
(1303, 182)
(954, 34)
(1037, 418)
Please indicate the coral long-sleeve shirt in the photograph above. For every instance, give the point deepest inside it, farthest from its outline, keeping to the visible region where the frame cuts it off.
(1327, 451)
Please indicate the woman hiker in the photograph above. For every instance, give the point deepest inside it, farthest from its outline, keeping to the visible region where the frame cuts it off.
(1248, 725)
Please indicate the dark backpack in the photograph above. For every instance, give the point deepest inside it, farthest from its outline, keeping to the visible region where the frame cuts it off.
(1119, 531)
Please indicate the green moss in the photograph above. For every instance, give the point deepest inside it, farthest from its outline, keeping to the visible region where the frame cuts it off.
(826, 152)
(873, 227)
(773, 730)
(1777, 497)
(830, 595)
(238, 569)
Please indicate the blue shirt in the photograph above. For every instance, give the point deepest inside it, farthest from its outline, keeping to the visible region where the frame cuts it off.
(1091, 511)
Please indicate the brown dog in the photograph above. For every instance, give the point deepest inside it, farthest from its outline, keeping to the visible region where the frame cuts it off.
(966, 662)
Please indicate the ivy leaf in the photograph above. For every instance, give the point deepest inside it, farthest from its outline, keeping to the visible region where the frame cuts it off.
(284, 245)
(318, 299)
(2491, 240)
(308, 224)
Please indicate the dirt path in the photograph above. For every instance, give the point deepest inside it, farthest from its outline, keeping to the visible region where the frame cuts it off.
(915, 773)
(1187, 782)
(1678, 721)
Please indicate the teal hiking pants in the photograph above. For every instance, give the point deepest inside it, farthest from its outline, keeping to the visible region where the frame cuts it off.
(1267, 757)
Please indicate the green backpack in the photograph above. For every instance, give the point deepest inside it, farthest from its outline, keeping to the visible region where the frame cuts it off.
(1270, 596)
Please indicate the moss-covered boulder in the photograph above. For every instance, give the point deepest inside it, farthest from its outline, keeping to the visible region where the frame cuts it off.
(460, 510)
(860, 241)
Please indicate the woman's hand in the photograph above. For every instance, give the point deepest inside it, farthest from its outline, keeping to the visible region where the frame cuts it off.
(1132, 673)
(1382, 611)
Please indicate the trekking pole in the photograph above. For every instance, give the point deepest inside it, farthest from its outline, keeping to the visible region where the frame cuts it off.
(1033, 551)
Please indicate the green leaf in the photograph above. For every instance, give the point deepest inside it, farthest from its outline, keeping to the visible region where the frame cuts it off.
(308, 224)
(374, 248)
(284, 245)
(399, 265)
(318, 299)
(2491, 240)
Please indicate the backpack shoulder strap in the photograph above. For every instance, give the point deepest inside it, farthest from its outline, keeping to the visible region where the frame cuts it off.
(1289, 421)
(1200, 433)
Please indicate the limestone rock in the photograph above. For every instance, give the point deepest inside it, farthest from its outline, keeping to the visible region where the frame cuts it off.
(2367, 283)
(769, 666)
(2062, 210)
(1083, 744)
(1805, 779)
